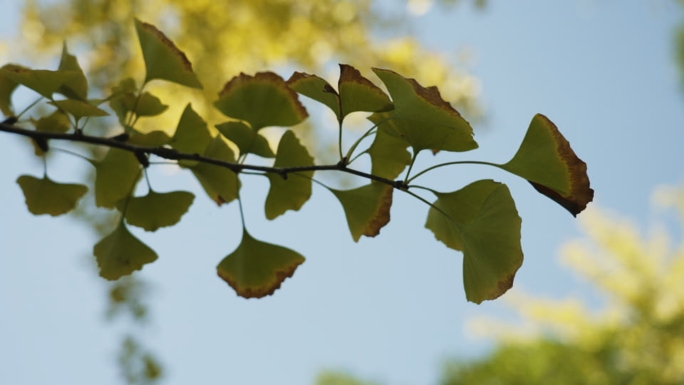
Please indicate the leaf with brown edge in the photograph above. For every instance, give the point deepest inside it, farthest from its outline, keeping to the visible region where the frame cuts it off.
(163, 60)
(262, 100)
(357, 93)
(44, 82)
(317, 89)
(547, 161)
(367, 208)
(257, 269)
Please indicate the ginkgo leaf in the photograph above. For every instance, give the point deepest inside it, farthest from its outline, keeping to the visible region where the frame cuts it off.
(44, 82)
(389, 156)
(423, 118)
(120, 253)
(357, 93)
(7, 87)
(163, 60)
(156, 210)
(247, 140)
(43, 196)
(546, 160)
(317, 89)
(221, 184)
(262, 100)
(77, 87)
(115, 176)
(257, 269)
(78, 108)
(57, 122)
(152, 139)
(192, 135)
(293, 192)
(367, 208)
(145, 104)
(481, 221)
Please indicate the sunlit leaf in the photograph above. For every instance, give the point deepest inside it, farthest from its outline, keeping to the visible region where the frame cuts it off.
(484, 224)
(257, 269)
(247, 140)
(151, 139)
(145, 105)
(293, 192)
(115, 176)
(389, 156)
(546, 160)
(43, 196)
(77, 87)
(192, 135)
(120, 253)
(262, 100)
(423, 118)
(156, 210)
(359, 94)
(118, 100)
(78, 108)
(221, 184)
(163, 60)
(7, 87)
(57, 122)
(367, 208)
(317, 89)
(44, 82)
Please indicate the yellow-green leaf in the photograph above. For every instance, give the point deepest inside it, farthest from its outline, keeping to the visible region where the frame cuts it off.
(547, 161)
(78, 108)
(7, 87)
(317, 89)
(262, 100)
(220, 183)
(257, 269)
(156, 210)
(481, 221)
(57, 122)
(192, 134)
(115, 176)
(247, 140)
(367, 208)
(163, 60)
(357, 93)
(43, 196)
(120, 253)
(151, 139)
(293, 192)
(389, 156)
(44, 82)
(77, 87)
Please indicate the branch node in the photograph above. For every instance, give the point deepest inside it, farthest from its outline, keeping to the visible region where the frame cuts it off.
(142, 158)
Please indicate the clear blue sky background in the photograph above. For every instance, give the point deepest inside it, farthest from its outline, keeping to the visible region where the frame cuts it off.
(390, 308)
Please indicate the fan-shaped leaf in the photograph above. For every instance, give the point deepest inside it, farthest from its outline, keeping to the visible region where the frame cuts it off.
(120, 253)
(257, 269)
(77, 87)
(388, 153)
(359, 94)
(546, 160)
(7, 87)
(293, 192)
(262, 100)
(247, 140)
(43, 196)
(221, 184)
(192, 135)
(317, 89)
(423, 118)
(367, 208)
(163, 60)
(78, 108)
(481, 221)
(115, 176)
(156, 210)
(44, 82)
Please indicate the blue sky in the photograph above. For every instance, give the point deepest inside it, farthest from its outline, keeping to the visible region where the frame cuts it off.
(390, 308)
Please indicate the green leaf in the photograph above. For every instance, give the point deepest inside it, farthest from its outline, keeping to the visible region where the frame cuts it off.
(547, 161)
(262, 100)
(484, 224)
(146, 105)
(293, 192)
(422, 118)
(389, 156)
(247, 140)
(115, 176)
(57, 122)
(120, 253)
(192, 135)
(317, 89)
(359, 94)
(78, 108)
(77, 87)
(7, 87)
(221, 184)
(151, 139)
(43, 196)
(156, 210)
(257, 269)
(44, 82)
(163, 60)
(367, 208)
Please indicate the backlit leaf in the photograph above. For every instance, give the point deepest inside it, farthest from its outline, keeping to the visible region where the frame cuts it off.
(151, 139)
(77, 87)
(359, 94)
(257, 269)
(120, 253)
(115, 176)
(367, 208)
(317, 89)
(78, 108)
(145, 105)
(44, 82)
(293, 192)
(388, 153)
(57, 122)
(221, 184)
(423, 118)
(247, 140)
(119, 100)
(43, 196)
(163, 60)
(192, 135)
(7, 87)
(262, 100)
(546, 160)
(484, 224)
(156, 210)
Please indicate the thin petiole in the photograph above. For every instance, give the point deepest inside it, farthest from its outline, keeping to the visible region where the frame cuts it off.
(451, 163)
(25, 110)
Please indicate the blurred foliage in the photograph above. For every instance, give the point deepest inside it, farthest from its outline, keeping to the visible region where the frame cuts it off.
(333, 377)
